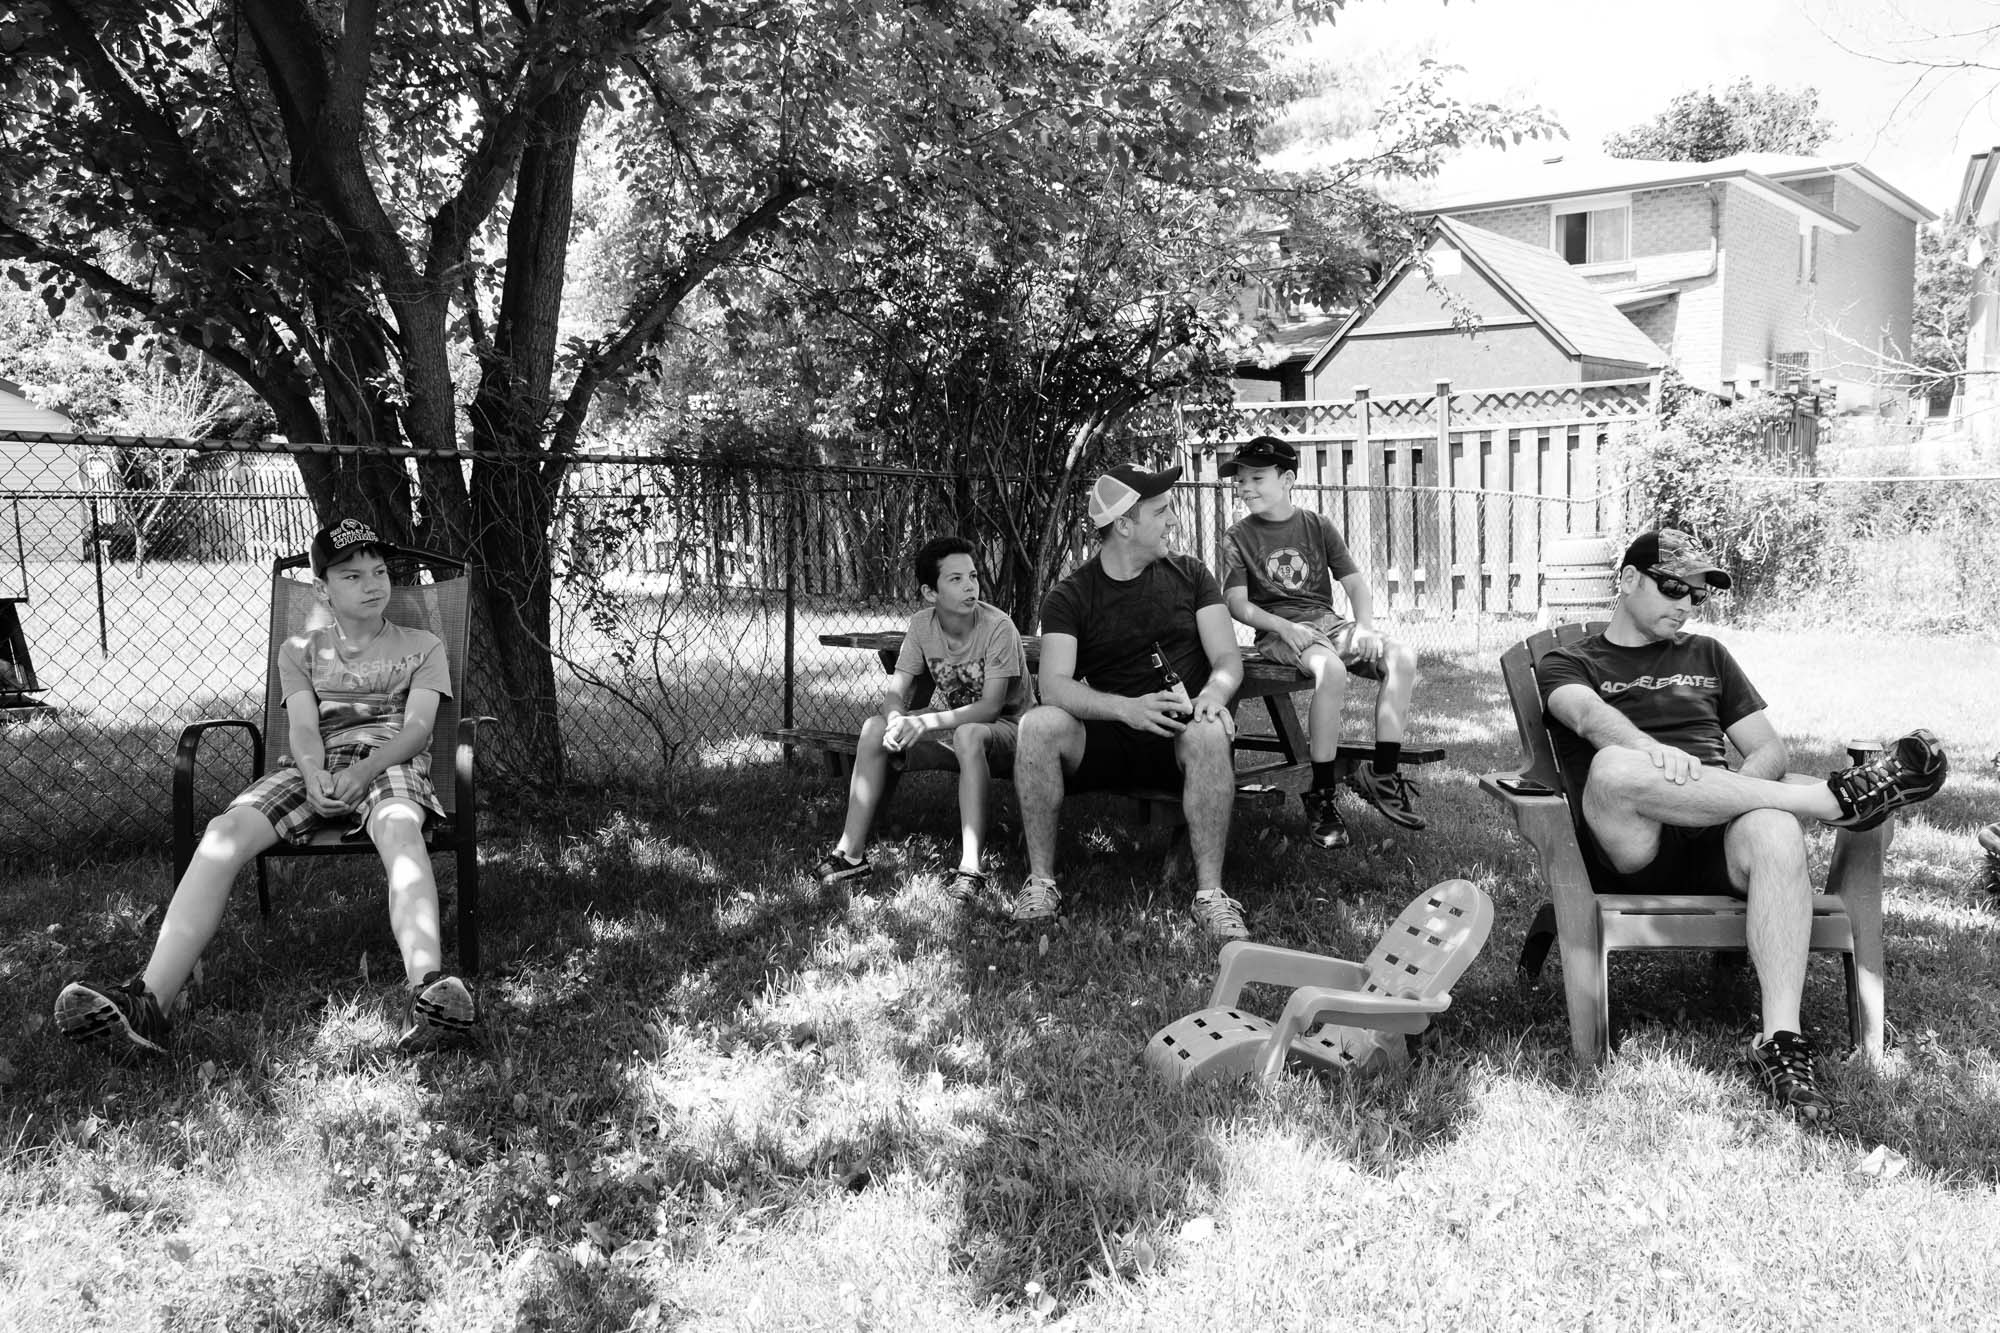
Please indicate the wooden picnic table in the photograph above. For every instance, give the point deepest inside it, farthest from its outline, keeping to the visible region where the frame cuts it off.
(1273, 682)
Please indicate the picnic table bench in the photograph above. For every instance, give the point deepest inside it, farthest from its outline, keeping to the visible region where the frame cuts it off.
(1272, 682)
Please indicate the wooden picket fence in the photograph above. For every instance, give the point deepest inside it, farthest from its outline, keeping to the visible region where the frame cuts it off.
(1448, 499)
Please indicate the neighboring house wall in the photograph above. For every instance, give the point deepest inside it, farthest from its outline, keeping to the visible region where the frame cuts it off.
(33, 478)
(1866, 290)
(1765, 314)
(1528, 223)
(1658, 322)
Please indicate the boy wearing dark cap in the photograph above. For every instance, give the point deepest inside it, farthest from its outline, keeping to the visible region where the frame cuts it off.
(1642, 716)
(361, 696)
(1279, 565)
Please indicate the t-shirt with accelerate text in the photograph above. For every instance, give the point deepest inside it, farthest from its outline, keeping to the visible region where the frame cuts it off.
(1686, 692)
(1116, 624)
(1289, 565)
(362, 695)
(959, 672)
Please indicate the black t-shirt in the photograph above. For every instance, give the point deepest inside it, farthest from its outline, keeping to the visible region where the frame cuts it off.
(1685, 692)
(1116, 624)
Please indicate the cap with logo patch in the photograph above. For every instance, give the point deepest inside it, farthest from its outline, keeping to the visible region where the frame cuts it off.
(333, 544)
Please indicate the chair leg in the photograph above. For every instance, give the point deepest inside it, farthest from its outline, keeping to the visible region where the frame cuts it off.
(468, 909)
(264, 886)
(1856, 876)
(1587, 989)
(1541, 937)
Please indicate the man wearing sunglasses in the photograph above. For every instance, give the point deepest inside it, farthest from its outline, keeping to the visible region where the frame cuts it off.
(1644, 713)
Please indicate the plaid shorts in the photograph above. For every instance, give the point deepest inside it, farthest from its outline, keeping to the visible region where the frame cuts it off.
(280, 795)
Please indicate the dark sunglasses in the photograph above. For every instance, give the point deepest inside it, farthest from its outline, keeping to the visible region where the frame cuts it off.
(1673, 589)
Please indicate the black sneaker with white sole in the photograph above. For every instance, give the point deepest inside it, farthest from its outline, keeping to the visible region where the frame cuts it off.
(1389, 793)
(1784, 1067)
(1911, 769)
(1323, 817)
(124, 1017)
(837, 867)
(437, 1011)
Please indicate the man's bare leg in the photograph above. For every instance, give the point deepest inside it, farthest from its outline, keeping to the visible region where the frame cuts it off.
(1626, 800)
(1767, 860)
(1051, 743)
(1208, 795)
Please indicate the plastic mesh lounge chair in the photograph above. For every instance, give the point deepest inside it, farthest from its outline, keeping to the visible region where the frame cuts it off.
(439, 606)
(1588, 926)
(1340, 1015)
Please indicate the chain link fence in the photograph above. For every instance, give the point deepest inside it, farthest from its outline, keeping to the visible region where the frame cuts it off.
(689, 599)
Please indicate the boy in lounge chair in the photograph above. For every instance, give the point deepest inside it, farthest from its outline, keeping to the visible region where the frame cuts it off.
(361, 695)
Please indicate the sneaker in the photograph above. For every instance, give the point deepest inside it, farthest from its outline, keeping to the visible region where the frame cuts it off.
(1783, 1067)
(1911, 769)
(1220, 915)
(125, 1014)
(1388, 792)
(1038, 901)
(1323, 815)
(964, 886)
(439, 1009)
(837, 866)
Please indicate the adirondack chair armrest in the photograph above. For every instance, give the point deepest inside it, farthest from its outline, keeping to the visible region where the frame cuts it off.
(1243, 963)
(1541, 818)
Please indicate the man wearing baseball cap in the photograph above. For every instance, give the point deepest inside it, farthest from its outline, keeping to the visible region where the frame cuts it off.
(1643, 713)
(1139, 664)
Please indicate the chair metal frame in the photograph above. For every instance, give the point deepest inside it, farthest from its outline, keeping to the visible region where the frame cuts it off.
(441, 606)
(1589, 926)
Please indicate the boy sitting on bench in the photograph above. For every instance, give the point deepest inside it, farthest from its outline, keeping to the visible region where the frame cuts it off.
(972, 654)
(1279, 565)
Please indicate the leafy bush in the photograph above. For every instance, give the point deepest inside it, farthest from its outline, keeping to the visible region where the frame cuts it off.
(1700, 469)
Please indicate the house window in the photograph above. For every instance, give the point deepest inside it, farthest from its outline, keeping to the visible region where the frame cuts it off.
(1809, 254)
(1595, 235)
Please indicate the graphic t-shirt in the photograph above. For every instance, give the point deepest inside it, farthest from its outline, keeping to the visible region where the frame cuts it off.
(1116, 624)
(1685, 692)
(1289, 565)
(362, 694)
(959, 672)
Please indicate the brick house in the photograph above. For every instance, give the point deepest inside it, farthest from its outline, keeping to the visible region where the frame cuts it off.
(1746, 272)
(1481, 310)
(1977, 402)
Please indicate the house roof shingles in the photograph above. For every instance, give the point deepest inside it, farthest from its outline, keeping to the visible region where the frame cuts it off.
(1553, 292)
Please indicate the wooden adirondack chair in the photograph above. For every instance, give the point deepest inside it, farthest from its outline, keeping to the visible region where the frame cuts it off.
(1588, 926)
(439, 606)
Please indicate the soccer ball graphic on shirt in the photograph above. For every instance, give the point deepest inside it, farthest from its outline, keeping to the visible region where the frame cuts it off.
(1287, 569)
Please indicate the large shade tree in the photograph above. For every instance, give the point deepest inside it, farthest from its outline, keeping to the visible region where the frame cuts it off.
(364, 210)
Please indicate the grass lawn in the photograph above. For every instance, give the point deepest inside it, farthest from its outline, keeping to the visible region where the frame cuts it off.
(710, 1095)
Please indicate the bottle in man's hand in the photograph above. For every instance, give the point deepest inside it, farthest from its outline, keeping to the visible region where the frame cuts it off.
(1170, 679)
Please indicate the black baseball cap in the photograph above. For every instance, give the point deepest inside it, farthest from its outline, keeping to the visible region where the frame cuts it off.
(336, 543)
(1261, 451)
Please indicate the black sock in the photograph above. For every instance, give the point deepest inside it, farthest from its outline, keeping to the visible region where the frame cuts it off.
(1387, 755)
(1326, 774)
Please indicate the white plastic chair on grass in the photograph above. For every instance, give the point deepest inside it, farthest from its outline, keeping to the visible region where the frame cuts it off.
(1358, 1013)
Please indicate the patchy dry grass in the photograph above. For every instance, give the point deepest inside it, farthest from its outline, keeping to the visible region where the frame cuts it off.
(710, 1095)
